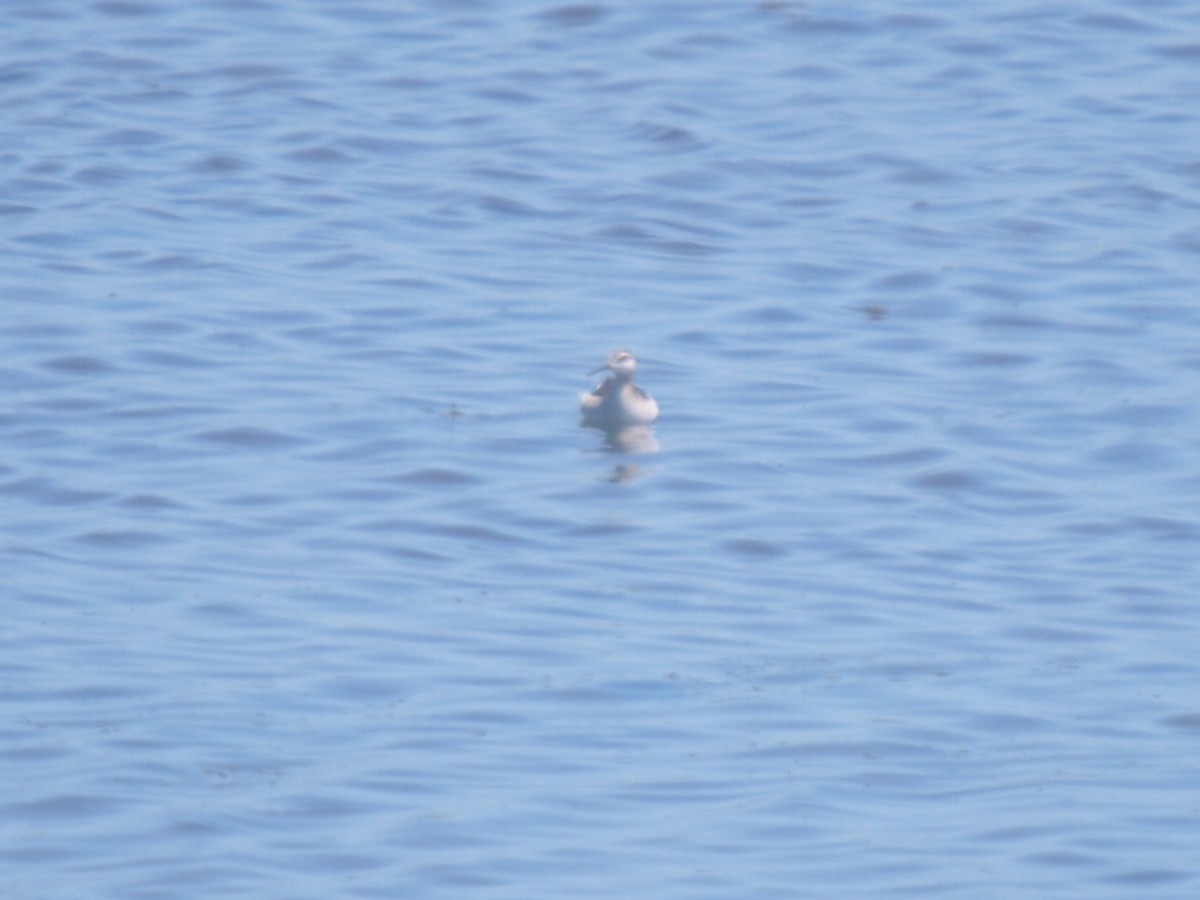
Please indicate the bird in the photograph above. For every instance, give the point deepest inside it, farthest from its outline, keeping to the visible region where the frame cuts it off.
(617, 402)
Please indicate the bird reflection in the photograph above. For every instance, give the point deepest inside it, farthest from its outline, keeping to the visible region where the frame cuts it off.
(631, 439)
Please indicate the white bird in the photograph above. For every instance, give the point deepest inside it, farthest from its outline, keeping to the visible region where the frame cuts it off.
(617, 402)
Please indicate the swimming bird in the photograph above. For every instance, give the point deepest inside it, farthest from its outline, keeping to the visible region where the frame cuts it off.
(617, 401)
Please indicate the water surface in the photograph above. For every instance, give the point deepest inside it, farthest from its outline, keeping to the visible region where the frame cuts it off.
(314, 587)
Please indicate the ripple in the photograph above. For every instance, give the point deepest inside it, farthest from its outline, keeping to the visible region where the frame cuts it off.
(906, 281)
(1150, 877)
(575, 15)
(948, 481)
(79, 365)
(755, 548)
(120, 537)
(132, 137)
(47, 491)
(66, 807)
(249, 437)
(150, 502)
(321, 155)
(437, 477)
(219, 164)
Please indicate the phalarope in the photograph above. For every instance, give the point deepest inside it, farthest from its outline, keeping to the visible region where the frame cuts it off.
(617, 401)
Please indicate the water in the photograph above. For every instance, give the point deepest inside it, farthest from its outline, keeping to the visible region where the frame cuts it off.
(314, 588)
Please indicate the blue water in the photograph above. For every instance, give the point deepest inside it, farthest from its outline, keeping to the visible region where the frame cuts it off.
(313, 586)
